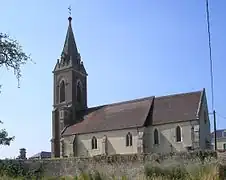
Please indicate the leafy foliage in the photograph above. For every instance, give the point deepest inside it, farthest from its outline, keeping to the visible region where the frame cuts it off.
(12, 55)
(16, 168)
(4, 138)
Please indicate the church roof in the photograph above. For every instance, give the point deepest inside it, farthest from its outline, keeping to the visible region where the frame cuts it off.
(178, 107)
(129, 114)
(138, 113)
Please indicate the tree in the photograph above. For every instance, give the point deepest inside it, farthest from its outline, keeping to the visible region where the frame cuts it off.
(12, 57)
(4, 137)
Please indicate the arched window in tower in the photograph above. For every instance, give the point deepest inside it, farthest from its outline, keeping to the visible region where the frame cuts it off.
(178, 134)
(62, 91)
(79, 92)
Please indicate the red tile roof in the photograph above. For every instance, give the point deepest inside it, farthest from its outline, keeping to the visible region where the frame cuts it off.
(132, 114)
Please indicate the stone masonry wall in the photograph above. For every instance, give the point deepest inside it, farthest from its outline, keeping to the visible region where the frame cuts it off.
(118, 165)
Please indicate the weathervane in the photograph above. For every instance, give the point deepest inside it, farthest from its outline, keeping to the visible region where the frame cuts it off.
(69, 10)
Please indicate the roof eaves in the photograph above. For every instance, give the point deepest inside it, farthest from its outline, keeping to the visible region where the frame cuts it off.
(173, 121)
(107, 130)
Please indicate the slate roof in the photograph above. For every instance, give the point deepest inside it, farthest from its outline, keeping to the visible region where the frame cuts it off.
(175, 108)
(221, 133)
(129, 114)
(138, 113)
(42, 154)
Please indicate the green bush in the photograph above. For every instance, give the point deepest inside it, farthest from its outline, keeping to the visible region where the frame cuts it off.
(17, 168)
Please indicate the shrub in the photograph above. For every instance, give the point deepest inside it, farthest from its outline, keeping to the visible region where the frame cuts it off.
(207, 171)
(17, 168)
(176, 172)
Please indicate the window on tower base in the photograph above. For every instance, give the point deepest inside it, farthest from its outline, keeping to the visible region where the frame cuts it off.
(62, 91)
(79, 93)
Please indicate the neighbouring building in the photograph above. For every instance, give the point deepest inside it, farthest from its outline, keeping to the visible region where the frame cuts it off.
(41, 155)
(22, 154)
(171, 123)
(221, 139)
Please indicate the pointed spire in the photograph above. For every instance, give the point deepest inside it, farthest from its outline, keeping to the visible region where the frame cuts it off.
(70, 56)
(70, 51)
(69, 44)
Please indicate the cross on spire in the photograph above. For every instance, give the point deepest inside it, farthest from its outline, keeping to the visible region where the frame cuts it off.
(69, 10)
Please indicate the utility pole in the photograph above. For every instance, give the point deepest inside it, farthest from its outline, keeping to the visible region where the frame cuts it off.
(211, 72)
(215, 129)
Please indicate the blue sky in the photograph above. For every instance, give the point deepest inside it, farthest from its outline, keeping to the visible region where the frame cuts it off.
(130, 49)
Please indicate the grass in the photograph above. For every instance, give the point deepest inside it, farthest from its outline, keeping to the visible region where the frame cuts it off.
(184, 172)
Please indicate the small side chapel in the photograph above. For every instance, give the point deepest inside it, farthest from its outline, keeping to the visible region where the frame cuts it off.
(170, 123)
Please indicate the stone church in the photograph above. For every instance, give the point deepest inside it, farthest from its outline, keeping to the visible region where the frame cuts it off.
(170, 123)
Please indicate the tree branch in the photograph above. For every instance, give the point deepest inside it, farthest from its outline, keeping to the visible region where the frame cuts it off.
(12, 55)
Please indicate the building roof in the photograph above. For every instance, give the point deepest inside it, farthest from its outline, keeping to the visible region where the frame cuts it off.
(42, 154)
(177, 107)
(220, 133)
(138, 113)
(129, 114)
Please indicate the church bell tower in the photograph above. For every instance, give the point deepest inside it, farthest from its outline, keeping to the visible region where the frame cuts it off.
(69, 90)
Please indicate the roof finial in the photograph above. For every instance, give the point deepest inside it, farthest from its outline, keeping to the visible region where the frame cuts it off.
(69, 11)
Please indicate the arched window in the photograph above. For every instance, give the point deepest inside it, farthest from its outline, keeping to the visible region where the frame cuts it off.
(62, 91)
(79, 92)
(178, 134)
(156, 137)
(94, 142)
(129, 139)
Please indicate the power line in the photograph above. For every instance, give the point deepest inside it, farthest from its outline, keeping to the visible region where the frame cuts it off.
(210, 53)
(223, 117)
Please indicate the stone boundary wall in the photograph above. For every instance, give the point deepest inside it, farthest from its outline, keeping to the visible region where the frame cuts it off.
(131, 165)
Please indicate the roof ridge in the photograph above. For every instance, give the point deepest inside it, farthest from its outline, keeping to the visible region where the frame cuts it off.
(130, 101)
(145, 98)
(179, 94)
(123, 102)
